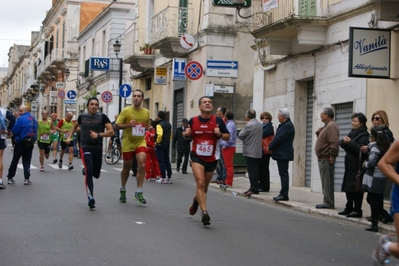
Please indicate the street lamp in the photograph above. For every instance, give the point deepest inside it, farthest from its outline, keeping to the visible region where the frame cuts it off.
(117, 48)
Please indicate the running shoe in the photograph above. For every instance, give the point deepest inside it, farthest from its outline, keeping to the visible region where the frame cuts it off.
(170, 181)
(161, 181)
(55, 160)
(138, 196)
(42, 169)
(11, 181)
(2, 186)
(379, 255)
(91, 203)
(60, 164)
(27, 182)
(194, 207)
(122, 196)
(206, 220)
(70, 167)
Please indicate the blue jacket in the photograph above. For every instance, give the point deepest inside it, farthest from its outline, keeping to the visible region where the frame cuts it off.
(281, 146)
(26, 125)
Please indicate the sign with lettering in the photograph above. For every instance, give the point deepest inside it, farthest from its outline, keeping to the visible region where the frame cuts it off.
(369, 53)
(160, 75)
(99, 63)
(230, 3)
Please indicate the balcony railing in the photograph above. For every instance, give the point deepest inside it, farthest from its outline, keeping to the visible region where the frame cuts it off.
(260, 19)
(172, 22)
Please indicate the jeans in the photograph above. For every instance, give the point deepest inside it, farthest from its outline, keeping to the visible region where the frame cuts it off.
(253, 170)
(164, 161)
(180, 156)
(20, 150)
(221, 169)
(327, 182)
(284, 177)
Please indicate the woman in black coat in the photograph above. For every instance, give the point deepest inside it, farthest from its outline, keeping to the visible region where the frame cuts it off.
(356, 138)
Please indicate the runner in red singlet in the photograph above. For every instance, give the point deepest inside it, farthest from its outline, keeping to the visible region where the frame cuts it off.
(205, 131)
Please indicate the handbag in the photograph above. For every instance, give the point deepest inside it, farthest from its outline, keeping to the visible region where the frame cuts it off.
(359, 176)
(265, 144)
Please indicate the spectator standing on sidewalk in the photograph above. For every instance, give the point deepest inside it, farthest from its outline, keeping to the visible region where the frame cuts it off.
(205, 131)
(151, 165)
(182, 146)
(221, 169)
(327, 148)
(283, 150)
(54, 137)
(25, 133)
(164, 136)
(229, 148)
(5, 129)
(351, 143)
(373, 180)
(268, 134)
(92, 125)
(134, 121)
(44, 129)
(64, 127)
(251, 136)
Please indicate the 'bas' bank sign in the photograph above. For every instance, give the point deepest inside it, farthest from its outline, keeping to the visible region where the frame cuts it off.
(100, 63)
(369, 53)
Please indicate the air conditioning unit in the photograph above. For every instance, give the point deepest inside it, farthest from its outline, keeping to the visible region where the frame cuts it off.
(387, 10)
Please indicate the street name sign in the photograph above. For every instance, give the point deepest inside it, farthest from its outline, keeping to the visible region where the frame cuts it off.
(222, 68)
(230, 3)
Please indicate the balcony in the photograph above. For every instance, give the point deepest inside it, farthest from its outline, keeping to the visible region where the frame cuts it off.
(167, 28)
(53, 64)
(138, 59)
(284, 27)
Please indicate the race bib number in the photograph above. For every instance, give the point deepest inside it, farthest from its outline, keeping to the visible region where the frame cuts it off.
(138, 131)
(205, 148)
(66, 135)
(44, 137)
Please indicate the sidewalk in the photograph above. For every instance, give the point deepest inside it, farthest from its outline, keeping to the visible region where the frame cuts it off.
(304, 200)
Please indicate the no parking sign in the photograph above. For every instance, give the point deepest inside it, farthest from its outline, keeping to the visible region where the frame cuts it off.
(106, 96)
(193, 70)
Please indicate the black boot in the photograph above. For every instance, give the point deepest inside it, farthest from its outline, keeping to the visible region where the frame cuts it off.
(345, 212)
(374, 226)
(387, 218)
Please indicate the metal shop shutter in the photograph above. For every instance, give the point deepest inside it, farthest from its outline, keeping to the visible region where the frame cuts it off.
(343, 113)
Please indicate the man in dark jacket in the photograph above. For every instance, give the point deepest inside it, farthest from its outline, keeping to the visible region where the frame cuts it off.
(183, 146)
(164, 136)
(25, 132)
(283, 150)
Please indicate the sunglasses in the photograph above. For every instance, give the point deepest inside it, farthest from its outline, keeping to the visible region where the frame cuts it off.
(376, 118)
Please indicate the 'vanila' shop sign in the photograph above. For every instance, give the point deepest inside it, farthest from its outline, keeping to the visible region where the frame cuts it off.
(369, 53)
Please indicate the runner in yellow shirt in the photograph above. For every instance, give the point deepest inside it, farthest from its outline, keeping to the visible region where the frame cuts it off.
(133, 120)
(44, 129)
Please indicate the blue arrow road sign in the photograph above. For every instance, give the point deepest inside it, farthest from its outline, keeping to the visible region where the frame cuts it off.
(125, 90)
(222, 64)
(71, 94)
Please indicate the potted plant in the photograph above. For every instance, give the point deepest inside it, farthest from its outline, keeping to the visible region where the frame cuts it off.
(146, 49)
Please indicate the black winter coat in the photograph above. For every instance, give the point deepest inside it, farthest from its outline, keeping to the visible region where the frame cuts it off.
(359, 137)
(182, 144)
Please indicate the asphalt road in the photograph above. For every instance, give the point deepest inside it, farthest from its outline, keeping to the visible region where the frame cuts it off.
(49, 223)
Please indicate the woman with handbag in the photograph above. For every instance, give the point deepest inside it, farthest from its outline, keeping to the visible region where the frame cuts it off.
(356, 138)
(374, 180)
(267, 137)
